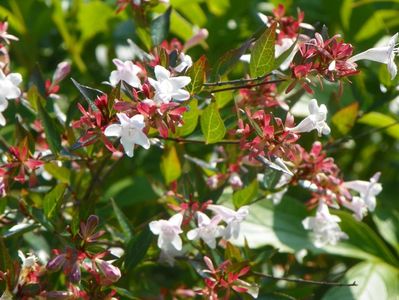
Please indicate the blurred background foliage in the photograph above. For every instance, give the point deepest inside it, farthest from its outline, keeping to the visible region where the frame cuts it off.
(90, 34)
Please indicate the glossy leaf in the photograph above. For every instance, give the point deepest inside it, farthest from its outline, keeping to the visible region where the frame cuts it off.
(89, 94)
(197, 74)
(52, 135)
(137, 248)
(246, 195)
(160, 28)
(384, 122)
(262, 54)
(122, 220)
(190, 119)
(53, 200)
(345, 118)
(170, 165)
(375, 281)
(212, 125)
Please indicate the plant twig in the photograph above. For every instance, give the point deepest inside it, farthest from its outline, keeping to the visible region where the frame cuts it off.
(191, 141)
(235, 81)
(347, 138)
(246, 86)
(304, 281)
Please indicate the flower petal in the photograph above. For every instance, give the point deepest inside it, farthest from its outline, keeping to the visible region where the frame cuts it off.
(113, 130)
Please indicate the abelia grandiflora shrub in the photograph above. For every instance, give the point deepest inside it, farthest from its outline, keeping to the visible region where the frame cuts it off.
(149, 104)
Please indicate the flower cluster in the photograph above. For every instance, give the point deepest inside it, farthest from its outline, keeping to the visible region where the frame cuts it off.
(208, 229)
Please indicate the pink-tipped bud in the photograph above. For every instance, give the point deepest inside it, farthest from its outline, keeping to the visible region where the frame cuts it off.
(63, 69)
(110, 272)
(56, 263)
(197, 38)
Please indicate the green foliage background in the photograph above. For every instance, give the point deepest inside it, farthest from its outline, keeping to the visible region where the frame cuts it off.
(48, 34)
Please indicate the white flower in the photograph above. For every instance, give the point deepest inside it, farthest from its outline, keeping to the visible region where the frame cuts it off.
(168, 232)
(167, 87)
(127, 72)
(366, 189)
(185, 63)
(358, 206)
(231, 217)
(384, 55)
(130, 130)
(208, 229)
(316, 119)
(8, 90)
(324, 226)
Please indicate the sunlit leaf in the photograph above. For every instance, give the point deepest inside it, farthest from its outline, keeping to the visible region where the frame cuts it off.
(262, 54)
(160, 28)
(246, 195)
(212, 125)
(345, 118)
(170, 165)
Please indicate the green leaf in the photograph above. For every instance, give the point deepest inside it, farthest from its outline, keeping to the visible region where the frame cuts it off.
(387, 222)
(212, 125)
(262, 55)
(375, 281)
(122, 220)
(345, 118)
(88, 93)
(281, 227)
(379, 120)
(52, 200)
(89, 21)
(61, 173)
(190, 119)
(6, 264)
(246, 195)
(363, 242)
(223, 98)
(138, 248)
(160, 28)
(52, 136)
(197, 75)
(170, 165)
(277, 225)
(125, 293)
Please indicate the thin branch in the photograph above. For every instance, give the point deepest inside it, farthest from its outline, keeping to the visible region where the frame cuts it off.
(347, 138)
(191, 141)
(304, 281)
(246, 86)
(235, 81)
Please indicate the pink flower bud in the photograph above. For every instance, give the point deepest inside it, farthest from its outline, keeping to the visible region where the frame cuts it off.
(56, 263)
(63, 69)
(110, 272)
(200, 36)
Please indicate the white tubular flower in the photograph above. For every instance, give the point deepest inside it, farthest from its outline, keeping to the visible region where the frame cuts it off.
(130, 130)
(8, 90)
(127, 72)
(167, 87)
(367, 189)
(384, 55)
(208, 229)
(168, 232)
(316, 120)
(324, 226)
(185, 63)
(358, 206)
(232, 218)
